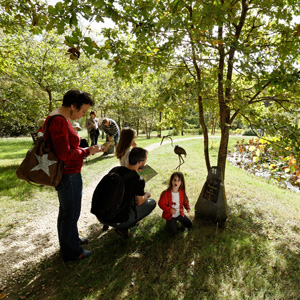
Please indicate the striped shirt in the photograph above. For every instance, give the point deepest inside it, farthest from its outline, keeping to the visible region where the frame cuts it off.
(112, 129)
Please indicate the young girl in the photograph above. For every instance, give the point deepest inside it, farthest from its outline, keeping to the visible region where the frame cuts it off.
(126, 142)
(172, 202)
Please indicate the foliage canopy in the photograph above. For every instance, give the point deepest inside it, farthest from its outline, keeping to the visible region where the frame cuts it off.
(234, 55)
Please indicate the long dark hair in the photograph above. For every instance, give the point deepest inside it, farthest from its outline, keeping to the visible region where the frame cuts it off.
(181, 177)
(126, 137)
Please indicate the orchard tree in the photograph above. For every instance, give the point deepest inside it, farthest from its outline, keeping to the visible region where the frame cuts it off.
(40, 64)
(246, 46)
(35, 73)
(249, 48)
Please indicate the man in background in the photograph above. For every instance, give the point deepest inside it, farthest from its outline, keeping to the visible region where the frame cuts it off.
(111, 128)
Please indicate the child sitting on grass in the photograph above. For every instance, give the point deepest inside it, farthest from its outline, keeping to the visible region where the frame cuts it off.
(173, 201)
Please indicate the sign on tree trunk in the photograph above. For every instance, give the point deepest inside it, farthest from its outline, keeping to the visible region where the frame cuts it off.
(212, 203)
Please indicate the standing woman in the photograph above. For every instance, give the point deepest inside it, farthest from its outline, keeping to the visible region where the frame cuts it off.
(92, 125)
(65, 142)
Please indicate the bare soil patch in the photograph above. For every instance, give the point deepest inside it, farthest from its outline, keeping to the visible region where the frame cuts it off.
(27, 245)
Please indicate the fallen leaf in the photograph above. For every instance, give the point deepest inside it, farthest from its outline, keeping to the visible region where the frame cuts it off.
(2, 295)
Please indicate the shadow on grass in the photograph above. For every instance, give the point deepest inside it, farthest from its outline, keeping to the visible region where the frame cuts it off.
(92, 160)
(238, 262)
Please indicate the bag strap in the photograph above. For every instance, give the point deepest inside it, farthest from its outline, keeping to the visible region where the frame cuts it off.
(125, 178)
(128, 176)
(48, 124)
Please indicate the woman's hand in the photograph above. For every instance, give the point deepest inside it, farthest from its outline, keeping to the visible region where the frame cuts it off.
(147, 194)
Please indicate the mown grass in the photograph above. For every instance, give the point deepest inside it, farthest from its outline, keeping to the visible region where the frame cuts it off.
(256, 256)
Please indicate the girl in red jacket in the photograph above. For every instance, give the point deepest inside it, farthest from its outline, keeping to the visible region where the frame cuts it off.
(172, 201)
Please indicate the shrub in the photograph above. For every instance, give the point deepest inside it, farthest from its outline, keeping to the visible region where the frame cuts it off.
(249, 132)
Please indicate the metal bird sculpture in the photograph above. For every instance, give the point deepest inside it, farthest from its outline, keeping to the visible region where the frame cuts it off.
(177, 149)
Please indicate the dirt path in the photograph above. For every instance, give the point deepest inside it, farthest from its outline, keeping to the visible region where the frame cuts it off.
(37, 239)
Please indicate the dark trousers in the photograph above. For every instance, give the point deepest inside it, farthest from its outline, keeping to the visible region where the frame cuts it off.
(69, 194)
(141, 212)
(94, 134)
(172, 224)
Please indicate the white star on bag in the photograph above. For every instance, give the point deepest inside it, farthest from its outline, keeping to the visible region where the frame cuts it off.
(44, 164)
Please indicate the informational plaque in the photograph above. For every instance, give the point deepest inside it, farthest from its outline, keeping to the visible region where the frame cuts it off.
(211, 189)
(212, 203)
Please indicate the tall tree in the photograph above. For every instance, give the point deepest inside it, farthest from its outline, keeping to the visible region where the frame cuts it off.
(247, 47)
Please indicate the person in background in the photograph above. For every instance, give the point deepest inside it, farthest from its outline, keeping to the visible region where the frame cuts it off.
(40, 131)
(126, 143)
(92, 126)
(172, 201)
(65, 141)
(83, 142)
(111, 128)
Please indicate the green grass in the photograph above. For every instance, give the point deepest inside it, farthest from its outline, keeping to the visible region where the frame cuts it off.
(255, 257)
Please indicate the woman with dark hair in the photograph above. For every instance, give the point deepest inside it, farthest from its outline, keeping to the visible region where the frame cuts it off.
(92, 126)
(65, 142)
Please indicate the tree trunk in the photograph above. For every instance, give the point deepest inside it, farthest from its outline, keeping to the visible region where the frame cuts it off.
(48, 90)
(146, 129)
(223, 148)
(137, 127)
(205, 132)
(159, 129)
(119, 117)
(224, 110)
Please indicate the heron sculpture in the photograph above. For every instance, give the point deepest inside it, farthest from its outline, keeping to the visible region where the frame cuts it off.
(177, 149)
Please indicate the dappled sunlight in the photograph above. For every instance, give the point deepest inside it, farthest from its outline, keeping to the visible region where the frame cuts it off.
(252, 257)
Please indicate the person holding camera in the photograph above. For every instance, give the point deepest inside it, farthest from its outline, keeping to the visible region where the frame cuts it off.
(65, 142)
(92, 126)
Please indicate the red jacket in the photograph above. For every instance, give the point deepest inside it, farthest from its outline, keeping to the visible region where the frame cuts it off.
(165, 203)
(65, 142)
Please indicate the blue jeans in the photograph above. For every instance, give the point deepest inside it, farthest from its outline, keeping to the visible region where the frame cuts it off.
(141, 212)
(69, 194)
(116, 139)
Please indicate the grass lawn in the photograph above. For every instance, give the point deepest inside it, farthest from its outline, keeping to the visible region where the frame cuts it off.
(256, 256)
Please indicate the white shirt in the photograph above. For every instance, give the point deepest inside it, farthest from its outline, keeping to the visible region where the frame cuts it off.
(124, 161)
(176, 204)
